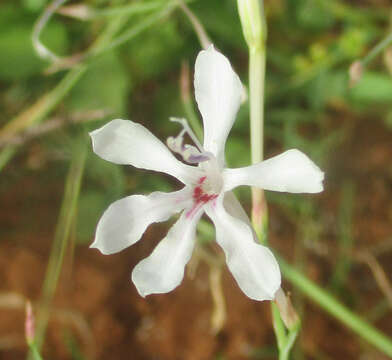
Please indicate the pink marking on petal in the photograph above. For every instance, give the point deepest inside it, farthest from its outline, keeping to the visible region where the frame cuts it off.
(192, 211)
(200, 197)
(202, 179)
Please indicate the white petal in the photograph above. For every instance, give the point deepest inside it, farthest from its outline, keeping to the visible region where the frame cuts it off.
(163, 270)
(253, 265)
(291, 171)
(234, 207)
(218, 92)
(128, 143)
(125, 221)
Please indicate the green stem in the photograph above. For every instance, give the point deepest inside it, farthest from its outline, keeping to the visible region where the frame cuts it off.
(285, 339)
(279, 327)
(34, 352)
(66, 217)
(254, 29)
(256, 91)
(284, 354)
(376, 50)
(256, 99)
(336, 309)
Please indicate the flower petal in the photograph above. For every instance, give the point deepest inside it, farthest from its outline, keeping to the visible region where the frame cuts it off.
(129, 143)
(218, 92)
(163, 270)
(125, 221)
(291, 171)
(234, 207)
(253, 265)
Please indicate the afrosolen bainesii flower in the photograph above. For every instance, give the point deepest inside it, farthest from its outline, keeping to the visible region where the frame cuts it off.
(207, 190)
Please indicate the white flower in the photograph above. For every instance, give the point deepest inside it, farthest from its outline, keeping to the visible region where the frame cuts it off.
(207, 190)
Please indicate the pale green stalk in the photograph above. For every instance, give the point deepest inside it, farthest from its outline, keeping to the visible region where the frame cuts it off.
(254, 29)
(256, 90)
(381, 46)
(358, 67)
(34, 352)
(285, 339)
(66, 218)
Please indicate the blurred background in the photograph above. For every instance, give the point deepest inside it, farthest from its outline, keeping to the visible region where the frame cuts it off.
(134, 60)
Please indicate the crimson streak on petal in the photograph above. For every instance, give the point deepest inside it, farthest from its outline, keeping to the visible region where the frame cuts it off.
(200, 197)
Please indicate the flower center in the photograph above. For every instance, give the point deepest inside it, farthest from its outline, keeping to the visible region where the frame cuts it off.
(202, 193)
(208, 186)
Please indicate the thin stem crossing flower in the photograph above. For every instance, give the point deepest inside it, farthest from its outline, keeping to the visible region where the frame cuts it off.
(207, 189)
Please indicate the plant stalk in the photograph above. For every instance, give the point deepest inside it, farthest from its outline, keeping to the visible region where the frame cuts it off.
(254, 28)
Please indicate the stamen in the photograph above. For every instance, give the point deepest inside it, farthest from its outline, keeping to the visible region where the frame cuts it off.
(189, 131)
(189, 153)
(193, 156)
(197, 159)
(175, 143)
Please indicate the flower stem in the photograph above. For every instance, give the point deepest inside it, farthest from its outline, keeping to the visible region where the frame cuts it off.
(34, 352)
(256, 90)
(285, 339)
(254, 29)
